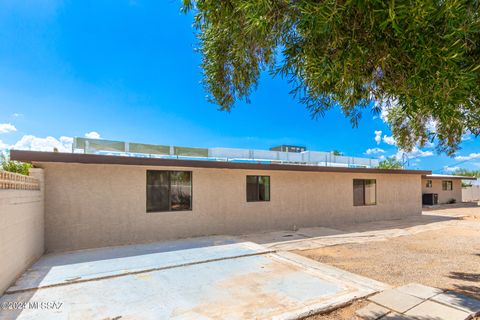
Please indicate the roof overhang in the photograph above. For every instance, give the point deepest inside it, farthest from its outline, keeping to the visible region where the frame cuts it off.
(39, 157)
(446, 177)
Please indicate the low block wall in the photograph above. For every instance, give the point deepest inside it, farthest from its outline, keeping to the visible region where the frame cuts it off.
(21, 226)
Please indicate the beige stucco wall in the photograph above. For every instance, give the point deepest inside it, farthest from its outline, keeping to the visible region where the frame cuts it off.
(444, 195)
(91, 205)
(21, 231)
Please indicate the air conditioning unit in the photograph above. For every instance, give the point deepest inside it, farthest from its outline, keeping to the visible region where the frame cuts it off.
(430, 199)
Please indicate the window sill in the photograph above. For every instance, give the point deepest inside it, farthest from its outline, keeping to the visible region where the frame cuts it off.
(169, 211)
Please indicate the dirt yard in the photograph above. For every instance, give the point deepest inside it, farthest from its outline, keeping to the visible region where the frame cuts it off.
(448, 258)
(343, 313)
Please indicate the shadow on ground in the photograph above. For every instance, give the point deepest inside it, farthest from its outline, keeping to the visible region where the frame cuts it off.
(473, 279)
(358, 231)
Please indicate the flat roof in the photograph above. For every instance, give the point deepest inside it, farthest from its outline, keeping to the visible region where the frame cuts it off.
(447, 176)
(41, 156)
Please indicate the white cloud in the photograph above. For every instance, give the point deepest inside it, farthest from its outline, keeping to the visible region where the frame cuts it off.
(17, 115)
(420, 153)
(429, 144)
(66, 141)
(7, 127)
(4, 146)
(467, 136)
(378, 136)
(415, 153)
(29, 142)
(381, 158)
(385, 106)
(92, 135)
(384, 113)
(389, 140)
(450, 169)
(469, 157)
(432, 125)
(374, 151)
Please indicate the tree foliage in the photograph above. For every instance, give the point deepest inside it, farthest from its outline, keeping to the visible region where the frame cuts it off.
(337, 153)
(417, 59)
(467, 173)
(13, 166)
(390, 163)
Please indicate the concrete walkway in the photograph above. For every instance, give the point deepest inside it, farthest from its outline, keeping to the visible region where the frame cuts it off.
(209, 278)
(416, 301)
(318, 237)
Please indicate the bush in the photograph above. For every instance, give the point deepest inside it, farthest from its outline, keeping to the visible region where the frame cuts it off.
(14, 166)
(451, 201)
(390, 163)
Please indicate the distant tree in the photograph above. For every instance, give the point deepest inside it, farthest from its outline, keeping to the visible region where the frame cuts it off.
(467, 173)
(337, 153)
(13, 166)
(390, 163)
(466, 184)
(418, 60)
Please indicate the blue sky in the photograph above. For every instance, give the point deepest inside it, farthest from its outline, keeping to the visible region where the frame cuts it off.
(128, 70)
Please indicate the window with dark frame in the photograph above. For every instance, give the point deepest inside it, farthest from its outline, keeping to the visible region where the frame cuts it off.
(258, 188)
(169, 190)
(364, 192)
(447, 185)
(429, 184)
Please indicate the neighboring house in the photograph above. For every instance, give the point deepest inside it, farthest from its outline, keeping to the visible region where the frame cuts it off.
(446, 188)
(96, 200)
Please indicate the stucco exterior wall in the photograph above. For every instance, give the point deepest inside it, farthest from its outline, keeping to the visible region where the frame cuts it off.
(444, 195)
(21, 231)
(91, 205)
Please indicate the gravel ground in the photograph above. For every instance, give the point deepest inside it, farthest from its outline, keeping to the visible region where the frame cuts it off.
(469, 210)
(344, 313)
(448, 258)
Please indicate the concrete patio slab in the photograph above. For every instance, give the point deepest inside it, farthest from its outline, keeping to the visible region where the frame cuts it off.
(312, 238)
(458, 301)
(419, 290)
(197, 281)
(55, 269)
(396, 316)
(395, 300)
(437, 311)
(372, 311)
(272, 238)
(335, 273)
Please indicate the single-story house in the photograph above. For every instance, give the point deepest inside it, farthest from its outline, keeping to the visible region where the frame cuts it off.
(94, 200)
(441, 188)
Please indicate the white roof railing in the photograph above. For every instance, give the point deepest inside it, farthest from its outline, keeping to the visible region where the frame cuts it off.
(315, 158)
